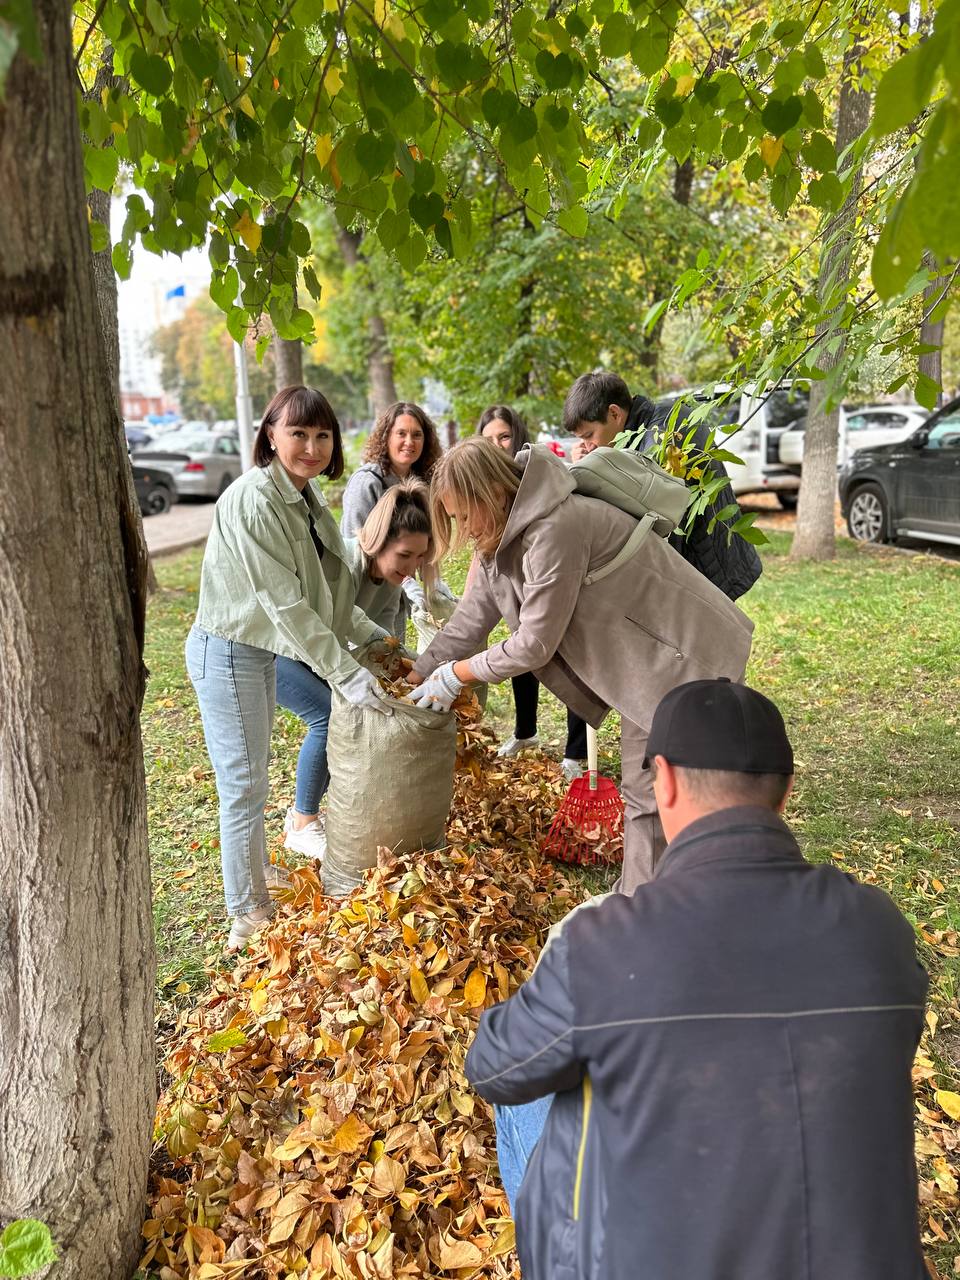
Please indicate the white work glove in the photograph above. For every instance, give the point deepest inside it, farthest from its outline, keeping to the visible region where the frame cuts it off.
(415, 593)
(439, 691)
(362, 690)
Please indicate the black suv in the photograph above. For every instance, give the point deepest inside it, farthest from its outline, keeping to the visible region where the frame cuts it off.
(156, 490)
(907, 490)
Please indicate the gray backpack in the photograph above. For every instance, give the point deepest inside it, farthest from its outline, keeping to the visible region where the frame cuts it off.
(634, 483)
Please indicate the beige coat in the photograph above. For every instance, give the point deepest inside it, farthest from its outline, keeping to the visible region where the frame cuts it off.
(622, 641)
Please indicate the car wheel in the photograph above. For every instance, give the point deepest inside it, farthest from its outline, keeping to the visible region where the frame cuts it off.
(867, 515)
(788, 499)
(157, 501)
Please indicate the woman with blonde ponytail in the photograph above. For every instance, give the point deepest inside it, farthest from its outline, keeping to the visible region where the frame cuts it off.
(394, 544)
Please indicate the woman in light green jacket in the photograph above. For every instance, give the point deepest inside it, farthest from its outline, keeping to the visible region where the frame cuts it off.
(276, 589)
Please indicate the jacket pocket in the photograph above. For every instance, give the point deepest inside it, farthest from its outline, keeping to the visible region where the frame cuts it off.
(667, 644)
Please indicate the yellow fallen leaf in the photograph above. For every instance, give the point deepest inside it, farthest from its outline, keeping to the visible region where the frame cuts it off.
(506, 1240)
(770, 150)
(351, 1135)
(418, 986)
(389, 1176)
(458, 1253)
(475, 989)
(949, 1102)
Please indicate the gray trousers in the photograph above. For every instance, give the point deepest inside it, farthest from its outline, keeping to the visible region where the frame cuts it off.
(643, 839)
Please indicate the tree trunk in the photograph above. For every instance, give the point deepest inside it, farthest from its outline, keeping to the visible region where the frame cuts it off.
(931, 331)
(287, 362)
(815, 538)
(103, 274)
(683, 182)
(77, 1072)
(383, 390)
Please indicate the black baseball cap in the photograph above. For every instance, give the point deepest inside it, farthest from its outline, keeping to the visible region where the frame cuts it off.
(716, 724)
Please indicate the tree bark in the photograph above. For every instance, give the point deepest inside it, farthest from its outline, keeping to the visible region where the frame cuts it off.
(287, 362)
(77, 1072)
(931, 331)
(383, 389)
(815, 538)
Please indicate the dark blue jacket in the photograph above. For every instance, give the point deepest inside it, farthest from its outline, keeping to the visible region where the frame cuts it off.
(731, 1051)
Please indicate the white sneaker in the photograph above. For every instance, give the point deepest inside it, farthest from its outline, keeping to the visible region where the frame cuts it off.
(277, 877)
(243, 927)
(309, 840)
(572, 769)
(513, 746)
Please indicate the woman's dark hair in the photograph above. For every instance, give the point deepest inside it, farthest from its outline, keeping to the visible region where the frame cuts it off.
(299, 407)
(518, 428)
(375, 450)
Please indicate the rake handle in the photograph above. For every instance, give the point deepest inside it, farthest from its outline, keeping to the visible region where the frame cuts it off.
(592, 756)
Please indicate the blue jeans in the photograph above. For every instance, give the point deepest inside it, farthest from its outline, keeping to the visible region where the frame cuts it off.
(518, 1132)
(308, 697)
(236, 689)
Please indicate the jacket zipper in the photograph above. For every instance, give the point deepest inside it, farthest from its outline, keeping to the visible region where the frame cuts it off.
(587, 1100)
(667, 644)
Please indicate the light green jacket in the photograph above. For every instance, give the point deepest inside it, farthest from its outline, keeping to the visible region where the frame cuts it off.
(382, 602)
(263, 584)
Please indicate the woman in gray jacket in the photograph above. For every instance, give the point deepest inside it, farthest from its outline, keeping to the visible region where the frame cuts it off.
(402, 443)
(600, 630)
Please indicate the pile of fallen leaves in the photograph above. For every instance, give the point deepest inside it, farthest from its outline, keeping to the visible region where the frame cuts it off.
(317, 1120)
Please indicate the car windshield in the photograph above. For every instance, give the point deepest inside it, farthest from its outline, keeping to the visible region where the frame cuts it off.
(188, 442)
(785, 407)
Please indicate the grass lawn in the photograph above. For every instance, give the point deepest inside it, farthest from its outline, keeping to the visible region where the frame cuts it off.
(863, 657)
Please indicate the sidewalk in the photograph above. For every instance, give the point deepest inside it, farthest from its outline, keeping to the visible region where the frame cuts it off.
(185, 525)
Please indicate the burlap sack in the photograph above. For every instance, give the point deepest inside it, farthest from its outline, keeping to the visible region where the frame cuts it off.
(391, 783)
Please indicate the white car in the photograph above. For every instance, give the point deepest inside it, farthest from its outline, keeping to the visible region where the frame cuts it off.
(754, 422)
(864, 428)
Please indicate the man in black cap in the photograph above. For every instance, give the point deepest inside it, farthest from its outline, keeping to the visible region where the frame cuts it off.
(729, 1047)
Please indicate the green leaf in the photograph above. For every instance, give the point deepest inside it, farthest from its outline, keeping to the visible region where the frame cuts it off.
(820, 153)
(201, 56)
(26, 1246)
(813, 62)
(101, 165)
(573, 220)
(151, 72)
(926, 391)
(826, 192)
(906, 86)
(121, 261)
(99, 236)
(779, 115)
(616, 36)
(224, 288)
(231, 1038)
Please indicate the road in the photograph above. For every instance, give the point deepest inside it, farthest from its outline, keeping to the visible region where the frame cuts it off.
(770, 515)
(186, 524)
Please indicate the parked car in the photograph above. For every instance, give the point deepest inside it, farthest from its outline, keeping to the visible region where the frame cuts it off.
(864, 428)
(156, 491)
(910, 489)
(201, 463)
(138, 437)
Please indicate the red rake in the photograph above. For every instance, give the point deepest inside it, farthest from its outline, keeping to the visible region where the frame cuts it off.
(589, 820)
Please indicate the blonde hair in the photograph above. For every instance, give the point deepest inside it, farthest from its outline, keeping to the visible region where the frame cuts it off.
(404, 508)
(477, 476)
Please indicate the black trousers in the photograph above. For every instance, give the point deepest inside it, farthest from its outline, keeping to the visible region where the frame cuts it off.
(526, 695)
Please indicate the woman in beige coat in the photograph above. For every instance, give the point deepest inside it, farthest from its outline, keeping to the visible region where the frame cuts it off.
(598, 631)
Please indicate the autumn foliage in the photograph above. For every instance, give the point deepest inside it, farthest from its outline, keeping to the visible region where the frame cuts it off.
(317, 1119)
